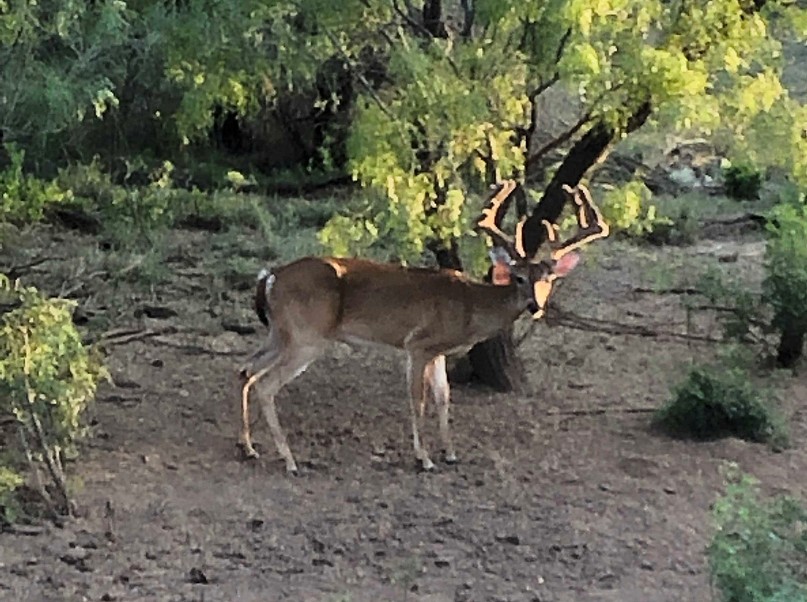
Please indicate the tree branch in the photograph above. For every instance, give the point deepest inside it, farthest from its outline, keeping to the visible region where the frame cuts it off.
(553, 144)
(556, 76)
(359, 75)
(468, 18)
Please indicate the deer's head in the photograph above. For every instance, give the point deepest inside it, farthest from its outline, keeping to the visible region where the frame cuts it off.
(535, 277)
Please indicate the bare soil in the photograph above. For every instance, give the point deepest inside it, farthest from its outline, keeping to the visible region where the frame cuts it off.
(562, 494)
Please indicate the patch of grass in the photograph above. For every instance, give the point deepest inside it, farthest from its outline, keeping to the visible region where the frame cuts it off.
(759, 551)
(713, 402)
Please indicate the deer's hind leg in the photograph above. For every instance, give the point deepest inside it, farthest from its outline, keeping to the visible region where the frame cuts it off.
(286, 369)
(258, 366)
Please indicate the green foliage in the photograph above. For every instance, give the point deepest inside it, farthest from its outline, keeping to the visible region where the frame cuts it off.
(60, 61)
(135, 215)
(10, 480)
(630, 209)
(759, 551)
(47, 378)
(743, 181)
(715, 402)
(24, 198)
(437, 118)
(785, 284)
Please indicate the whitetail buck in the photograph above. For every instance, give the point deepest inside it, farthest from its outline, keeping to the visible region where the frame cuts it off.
(427, 313)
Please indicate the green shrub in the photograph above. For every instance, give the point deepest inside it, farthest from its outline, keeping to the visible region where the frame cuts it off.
(785, 285)
(715, 402)
(759, 552)
(47, 379)
(10, 480)
(24, 198)
(630, 209)
(682, 229)
(743, 181)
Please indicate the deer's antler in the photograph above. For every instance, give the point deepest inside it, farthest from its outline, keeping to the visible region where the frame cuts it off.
(493, 214)
(590, 222)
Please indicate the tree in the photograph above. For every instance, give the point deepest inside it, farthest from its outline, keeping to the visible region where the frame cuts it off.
(456, 109)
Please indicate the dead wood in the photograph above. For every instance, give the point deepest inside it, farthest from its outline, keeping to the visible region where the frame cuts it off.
(562, 317)
(192, 348)
(15, 271)
(668, 291)
(600, 411)
(121, 337)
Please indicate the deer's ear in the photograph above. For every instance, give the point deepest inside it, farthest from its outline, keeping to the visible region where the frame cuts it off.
(566, 264)
(500, 274)
(499, 255)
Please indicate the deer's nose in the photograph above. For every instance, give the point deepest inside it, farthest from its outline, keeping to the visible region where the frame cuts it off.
(536, 310)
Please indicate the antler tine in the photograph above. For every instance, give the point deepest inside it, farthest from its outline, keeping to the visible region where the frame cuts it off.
(492, 216)
(590, 222)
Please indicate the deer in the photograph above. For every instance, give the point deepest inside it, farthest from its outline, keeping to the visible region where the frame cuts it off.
(428, 313)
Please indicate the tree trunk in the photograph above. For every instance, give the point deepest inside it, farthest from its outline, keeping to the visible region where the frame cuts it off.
(495, 363)
(433, 19)
(790, 347)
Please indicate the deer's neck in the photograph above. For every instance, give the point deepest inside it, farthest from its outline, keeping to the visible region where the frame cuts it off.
(497, 307)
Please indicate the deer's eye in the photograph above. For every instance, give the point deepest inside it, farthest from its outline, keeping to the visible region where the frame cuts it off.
(521, 279)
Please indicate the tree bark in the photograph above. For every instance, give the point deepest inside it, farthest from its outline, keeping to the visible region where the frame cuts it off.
(790, 348)
(433, 18)
(496, 363)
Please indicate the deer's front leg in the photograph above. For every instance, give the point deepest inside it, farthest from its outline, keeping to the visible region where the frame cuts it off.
(437, 380)
(415, 368)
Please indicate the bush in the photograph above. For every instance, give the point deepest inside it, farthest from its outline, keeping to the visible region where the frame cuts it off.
(785, 285)
(759, 552)
(714, 402)
(47, 378)
(629, 209)
(743, 181)
(25, 198)
(10, 480)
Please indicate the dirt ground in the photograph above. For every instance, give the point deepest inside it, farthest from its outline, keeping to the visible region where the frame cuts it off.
(564, 494)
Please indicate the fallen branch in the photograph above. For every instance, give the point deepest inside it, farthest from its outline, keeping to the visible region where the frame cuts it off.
(600, 411)
(194, 349)
(566, 318)
(123, 337)
(15, 271)
(668, 291)
(756, 218)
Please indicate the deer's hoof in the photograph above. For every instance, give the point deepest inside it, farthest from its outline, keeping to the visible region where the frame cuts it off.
(451, 458)
(248, 452)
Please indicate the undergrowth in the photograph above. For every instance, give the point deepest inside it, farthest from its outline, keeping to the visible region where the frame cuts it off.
(714, 402)
(759, 550)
